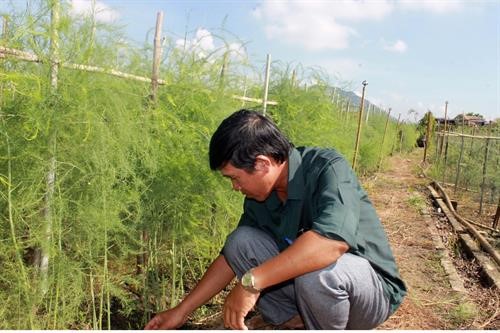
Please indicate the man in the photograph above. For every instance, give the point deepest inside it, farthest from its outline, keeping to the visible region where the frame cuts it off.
(309, 246)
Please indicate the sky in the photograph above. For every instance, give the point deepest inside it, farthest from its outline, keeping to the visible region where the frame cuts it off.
(414, 54)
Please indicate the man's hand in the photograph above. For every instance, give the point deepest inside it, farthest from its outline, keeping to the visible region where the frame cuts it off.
(237, 305)
(167, 320)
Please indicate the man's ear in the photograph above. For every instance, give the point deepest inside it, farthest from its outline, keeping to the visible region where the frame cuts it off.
(262, 163)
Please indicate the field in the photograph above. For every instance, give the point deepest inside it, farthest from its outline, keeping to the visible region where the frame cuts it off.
(108, 209)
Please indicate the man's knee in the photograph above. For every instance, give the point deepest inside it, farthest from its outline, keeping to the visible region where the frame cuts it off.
(249, 244)
(310, 285)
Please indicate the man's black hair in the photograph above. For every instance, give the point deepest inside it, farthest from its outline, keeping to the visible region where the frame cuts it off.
(244, 135)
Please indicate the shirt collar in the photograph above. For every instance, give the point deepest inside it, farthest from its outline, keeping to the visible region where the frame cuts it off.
(295, 176)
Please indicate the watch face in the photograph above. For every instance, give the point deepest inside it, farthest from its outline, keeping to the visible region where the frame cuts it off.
(246, 280)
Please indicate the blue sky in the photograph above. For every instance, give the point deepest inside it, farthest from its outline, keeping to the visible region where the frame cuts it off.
(414, 54)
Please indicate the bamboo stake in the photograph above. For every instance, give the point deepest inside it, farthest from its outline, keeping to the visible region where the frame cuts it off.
(445, 157)
(156, 57)
(497, 216)
(397, 133)
(358, 135)
(5, 30)
(223, 70)
(484, 176)
(381, 157)
(437, 143)
(445, 123)
(427, 135)
(460, 156)
(50, 181)
(266, 83)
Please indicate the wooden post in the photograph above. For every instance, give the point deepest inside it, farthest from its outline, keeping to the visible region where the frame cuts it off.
(5, 22)
(497, 216)
(223, 70)
(381, 157)
(358, 135)
(484, 175)
(460, 156)
(445, 137)
(368, 113)
(397, 133)
(427, 135)
(472, 141)
(244, 93)
(156, 57)
(444, 130)
(266, 83)
(51, 175)
(294, 78)
(436, 133)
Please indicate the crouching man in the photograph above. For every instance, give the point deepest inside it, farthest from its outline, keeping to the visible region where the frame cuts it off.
(309, 247)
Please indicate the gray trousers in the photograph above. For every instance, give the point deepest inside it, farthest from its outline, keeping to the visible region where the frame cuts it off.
(345, 295)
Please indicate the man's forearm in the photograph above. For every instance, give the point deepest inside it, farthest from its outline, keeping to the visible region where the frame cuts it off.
(309, 252)
(216, 278)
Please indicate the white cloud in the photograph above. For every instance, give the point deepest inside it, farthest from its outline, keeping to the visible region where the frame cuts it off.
(237, 51)
(202, 43)
(318, 25)
(399, 46)
(103, 13)
(327, 25)
(435, 6)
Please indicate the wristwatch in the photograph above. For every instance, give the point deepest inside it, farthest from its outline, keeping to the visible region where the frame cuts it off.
(248, 282)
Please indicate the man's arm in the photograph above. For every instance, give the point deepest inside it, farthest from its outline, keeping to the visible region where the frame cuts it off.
(216, 278)
(309, 252)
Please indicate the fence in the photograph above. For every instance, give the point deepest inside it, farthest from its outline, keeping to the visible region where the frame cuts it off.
(469, 163)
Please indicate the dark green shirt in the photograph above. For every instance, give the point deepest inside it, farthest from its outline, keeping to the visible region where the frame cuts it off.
(324, 195)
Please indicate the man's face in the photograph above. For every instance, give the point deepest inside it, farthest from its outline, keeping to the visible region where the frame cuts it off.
(256, 185)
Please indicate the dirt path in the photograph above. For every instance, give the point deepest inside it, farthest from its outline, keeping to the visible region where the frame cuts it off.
(400, 197)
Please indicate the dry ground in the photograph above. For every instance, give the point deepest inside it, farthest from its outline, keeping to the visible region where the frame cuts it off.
(400, 197)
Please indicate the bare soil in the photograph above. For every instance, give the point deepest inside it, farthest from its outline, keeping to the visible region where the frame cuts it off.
(399, 193)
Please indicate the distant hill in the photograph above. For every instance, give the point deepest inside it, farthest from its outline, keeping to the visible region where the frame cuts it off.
(354, 99)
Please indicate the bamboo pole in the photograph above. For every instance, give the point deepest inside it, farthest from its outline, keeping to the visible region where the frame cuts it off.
(255, 100)
(5, 26)
(51, 175)
(156, 57)
(244, 93)
(484, 243)
(360, 118)
(427, 135)
(494, 225)
(266, 83)
(26, 56)
(457, 176)
(470, 136)
(484, 176)
(445, 157)
(223, 70)
(445, 123)
(397, 133)
(381, 157)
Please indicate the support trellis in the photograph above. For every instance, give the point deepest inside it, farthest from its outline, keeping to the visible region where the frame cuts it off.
(488, 139)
